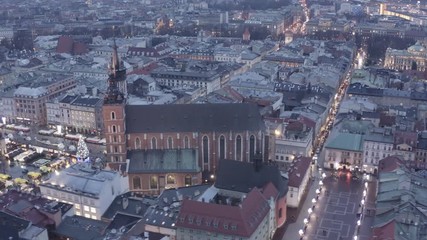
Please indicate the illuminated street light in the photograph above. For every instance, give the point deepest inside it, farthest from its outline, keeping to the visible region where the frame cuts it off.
(320, 182)
(366, 185)
(355, 237)
(305, 220)
(364, 193)
(310, 211)
(317, 191)
(358, 222)
(301, 232)
(324, 175)
(313, 200)
(363, 201)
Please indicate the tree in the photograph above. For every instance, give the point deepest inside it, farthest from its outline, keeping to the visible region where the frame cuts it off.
(82, 150)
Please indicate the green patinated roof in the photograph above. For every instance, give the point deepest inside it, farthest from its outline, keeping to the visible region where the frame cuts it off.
(347, 141)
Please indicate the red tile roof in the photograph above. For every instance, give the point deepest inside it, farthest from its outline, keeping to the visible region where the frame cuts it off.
(410, 138)
(145, 70)
(269, 191)
(225, 219)
(389, 164)
(385, 232)
(65, 45)
(298, 171)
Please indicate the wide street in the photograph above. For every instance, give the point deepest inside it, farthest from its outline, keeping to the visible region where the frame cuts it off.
(334, 216)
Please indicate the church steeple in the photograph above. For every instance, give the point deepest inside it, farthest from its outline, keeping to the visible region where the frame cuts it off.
(117, 87)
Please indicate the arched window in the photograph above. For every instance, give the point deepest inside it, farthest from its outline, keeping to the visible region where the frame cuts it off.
(170, 179)
(136, 182)
(113, 115)
(170, 143)
(153, 143)
(221, 147)
(153, 182)
(251, 148)
(137, 143)
(205, 149)
(186, 142)
(239, 148)
(187, 180)
(114, 129)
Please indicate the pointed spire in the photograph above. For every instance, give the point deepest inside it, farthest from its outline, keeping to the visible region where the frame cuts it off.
(115, 63)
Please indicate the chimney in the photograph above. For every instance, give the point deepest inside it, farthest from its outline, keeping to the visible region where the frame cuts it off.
(125, 202)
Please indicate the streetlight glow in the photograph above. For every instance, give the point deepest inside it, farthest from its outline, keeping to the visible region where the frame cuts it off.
(364, 193)
(301, 232)
(358, 222)
(317, 191)
(305, 220)
(320, 182)
(310, 211)
(324, 175)
(363, 201)
(313, 200)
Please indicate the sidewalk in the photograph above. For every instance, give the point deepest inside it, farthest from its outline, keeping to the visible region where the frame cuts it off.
(293, 228)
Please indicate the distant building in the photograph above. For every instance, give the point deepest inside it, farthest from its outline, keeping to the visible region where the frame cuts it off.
(12, 227)
(91, 191)
(28, 102)
(80, 228)
(41, 212)
(299, 175)
(293, 139)
(153, 170)
(81, 114)
(414, 58)
(376, 146)
(344, 151)
(401, 202)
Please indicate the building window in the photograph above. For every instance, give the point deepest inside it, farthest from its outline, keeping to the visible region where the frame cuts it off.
(239, 148)
(136, 182)
(186, 142)
(187, 180)
(221, 147)
(93, 210)
(205, 149)
(114, 128)
(153, 182)
(170, 143)
(153, 143)
(251, 147)
(113, 115)
(170, 179)
(86, 208)
(137, 143)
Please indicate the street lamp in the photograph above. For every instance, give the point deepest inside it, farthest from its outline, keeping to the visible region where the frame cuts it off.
(305, 220)
(358, 222)
(317, 191)
(363, 201)
(323, 175)
(364, 193)
(310, 211)
(313, 200)
(301, 232)
(320, 182)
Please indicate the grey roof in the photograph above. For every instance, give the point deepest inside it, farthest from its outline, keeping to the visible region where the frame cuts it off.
(86, 101)
(378, 137)
(136, 206)
(248, 177)
(78, 178)
(346, 141)
(193, 118)
(11, 226)
(68, 99)
(163, 160)
(77, 227)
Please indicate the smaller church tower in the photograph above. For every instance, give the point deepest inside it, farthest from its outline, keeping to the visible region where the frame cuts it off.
(113, 110)
(246, 35)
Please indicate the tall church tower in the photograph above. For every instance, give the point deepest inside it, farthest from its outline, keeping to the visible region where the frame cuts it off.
(113, 110)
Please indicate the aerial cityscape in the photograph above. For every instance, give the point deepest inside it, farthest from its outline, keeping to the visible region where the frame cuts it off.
(211, 120)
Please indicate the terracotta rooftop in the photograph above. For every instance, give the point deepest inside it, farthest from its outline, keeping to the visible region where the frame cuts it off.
(389, 164)
(298, 171)
(225, 219)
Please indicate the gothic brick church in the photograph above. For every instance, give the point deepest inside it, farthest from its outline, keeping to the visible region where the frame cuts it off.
(215, 131)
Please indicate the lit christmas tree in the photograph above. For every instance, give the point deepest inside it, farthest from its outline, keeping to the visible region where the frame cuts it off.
(82, 150)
